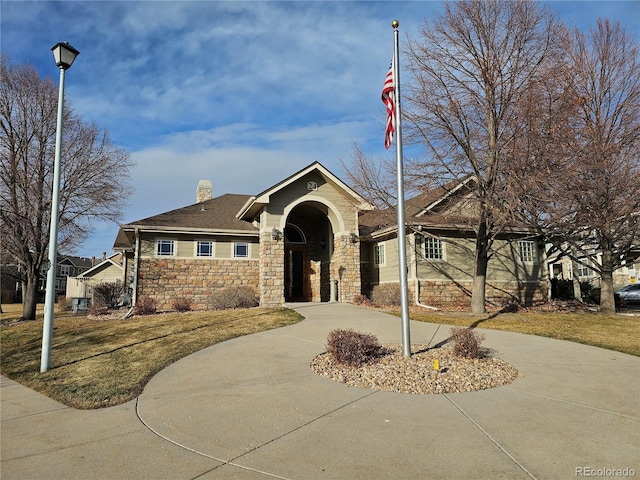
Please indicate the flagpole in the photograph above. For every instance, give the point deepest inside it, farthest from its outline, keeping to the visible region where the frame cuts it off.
(402, 236)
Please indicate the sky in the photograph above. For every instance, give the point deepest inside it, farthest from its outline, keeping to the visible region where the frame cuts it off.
(243, 94)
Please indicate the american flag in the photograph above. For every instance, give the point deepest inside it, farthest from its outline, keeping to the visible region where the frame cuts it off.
(387, 99)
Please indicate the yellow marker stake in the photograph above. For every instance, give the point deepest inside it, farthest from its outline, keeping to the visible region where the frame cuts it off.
(436, 364)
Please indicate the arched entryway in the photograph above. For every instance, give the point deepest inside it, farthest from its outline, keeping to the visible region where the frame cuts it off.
(308, 248)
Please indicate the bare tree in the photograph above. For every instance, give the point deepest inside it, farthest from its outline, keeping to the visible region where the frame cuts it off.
(601, 203)
(470, 71)
(92, 175)
(584, 142)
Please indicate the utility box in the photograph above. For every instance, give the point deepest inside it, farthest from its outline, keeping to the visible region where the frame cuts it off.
(79, 304)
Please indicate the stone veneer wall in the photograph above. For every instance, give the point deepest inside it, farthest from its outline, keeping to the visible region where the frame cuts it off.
(441, 293)
(164, 280)
(271, 278)
(345, 267)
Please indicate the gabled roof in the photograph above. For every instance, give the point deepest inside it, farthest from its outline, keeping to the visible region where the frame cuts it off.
(254, 204)
(75, 261)
(438, 199)
(100, 266)
(216, 215)
(446, 208)
(428, 209)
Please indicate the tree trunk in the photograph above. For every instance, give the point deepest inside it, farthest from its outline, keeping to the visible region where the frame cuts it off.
(607, 300)
(575, 277)
(478, 292)
(29, 297)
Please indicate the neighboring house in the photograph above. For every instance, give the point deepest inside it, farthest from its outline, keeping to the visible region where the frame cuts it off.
(109, 270)
(66, 266)
(9, 280)
(562, 268)
(310, 237)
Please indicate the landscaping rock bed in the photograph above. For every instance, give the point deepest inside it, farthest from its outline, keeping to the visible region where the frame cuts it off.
(392, 372)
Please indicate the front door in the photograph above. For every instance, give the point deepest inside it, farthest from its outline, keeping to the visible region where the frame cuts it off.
(296, 274)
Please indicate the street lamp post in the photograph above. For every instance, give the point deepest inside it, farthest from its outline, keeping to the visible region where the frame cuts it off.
(64, 55)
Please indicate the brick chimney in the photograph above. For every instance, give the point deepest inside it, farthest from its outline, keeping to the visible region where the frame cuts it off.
(204, 191)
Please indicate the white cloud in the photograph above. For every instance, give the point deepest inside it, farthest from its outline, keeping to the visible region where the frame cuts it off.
(241, 93)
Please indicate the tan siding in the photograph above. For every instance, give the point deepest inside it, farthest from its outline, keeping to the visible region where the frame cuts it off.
(459, 263)
(298, 190)
(147, 246)
(185, 246)
(389, 271)
(506, 264)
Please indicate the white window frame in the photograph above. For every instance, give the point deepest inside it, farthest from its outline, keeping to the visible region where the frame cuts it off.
(379, 255)
(526, 249)
(65, 270)
(163, 241)
(433, 249)
(235, 249)
(210, 244)
(585, 270)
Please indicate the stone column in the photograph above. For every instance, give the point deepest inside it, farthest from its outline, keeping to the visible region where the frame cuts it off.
(345, 267)
(271, 270)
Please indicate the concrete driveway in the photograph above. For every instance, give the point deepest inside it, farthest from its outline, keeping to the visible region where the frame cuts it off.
(250, 408)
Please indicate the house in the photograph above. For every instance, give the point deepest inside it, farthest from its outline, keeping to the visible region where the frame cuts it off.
(66, 266)
(10, 275)
(562, 268)
(109, 270)
(312, 238)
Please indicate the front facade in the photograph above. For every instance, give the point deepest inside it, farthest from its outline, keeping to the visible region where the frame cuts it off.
(309, 238)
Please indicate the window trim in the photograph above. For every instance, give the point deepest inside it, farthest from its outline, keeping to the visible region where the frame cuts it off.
(376, 257)
(197, 248)
(440, 249)
(526, 251)
(173, 247)
(585, 269)
(235, 250)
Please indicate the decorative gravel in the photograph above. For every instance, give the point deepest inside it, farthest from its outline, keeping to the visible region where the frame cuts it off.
(393, 372)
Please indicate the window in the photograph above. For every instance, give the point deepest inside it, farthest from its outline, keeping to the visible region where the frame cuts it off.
(433, 249)
(165, 248)
(204, 249)
(293, 234)
(584, 270)
(526, 250)
(378, 254)
(65, 270)
(241, 250)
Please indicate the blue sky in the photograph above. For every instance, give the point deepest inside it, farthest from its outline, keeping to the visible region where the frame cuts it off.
(240, 93)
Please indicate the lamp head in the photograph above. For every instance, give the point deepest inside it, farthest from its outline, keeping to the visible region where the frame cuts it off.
(64, 54)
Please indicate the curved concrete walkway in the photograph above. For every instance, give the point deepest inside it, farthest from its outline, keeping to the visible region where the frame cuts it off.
(250, 408)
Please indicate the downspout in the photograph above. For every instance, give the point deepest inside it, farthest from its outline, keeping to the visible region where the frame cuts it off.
(136, 260)
(418, 297)
(136, 263)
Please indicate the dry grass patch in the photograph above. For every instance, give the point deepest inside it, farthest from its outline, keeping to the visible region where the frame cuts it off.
(615, 332)
(99, 363)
